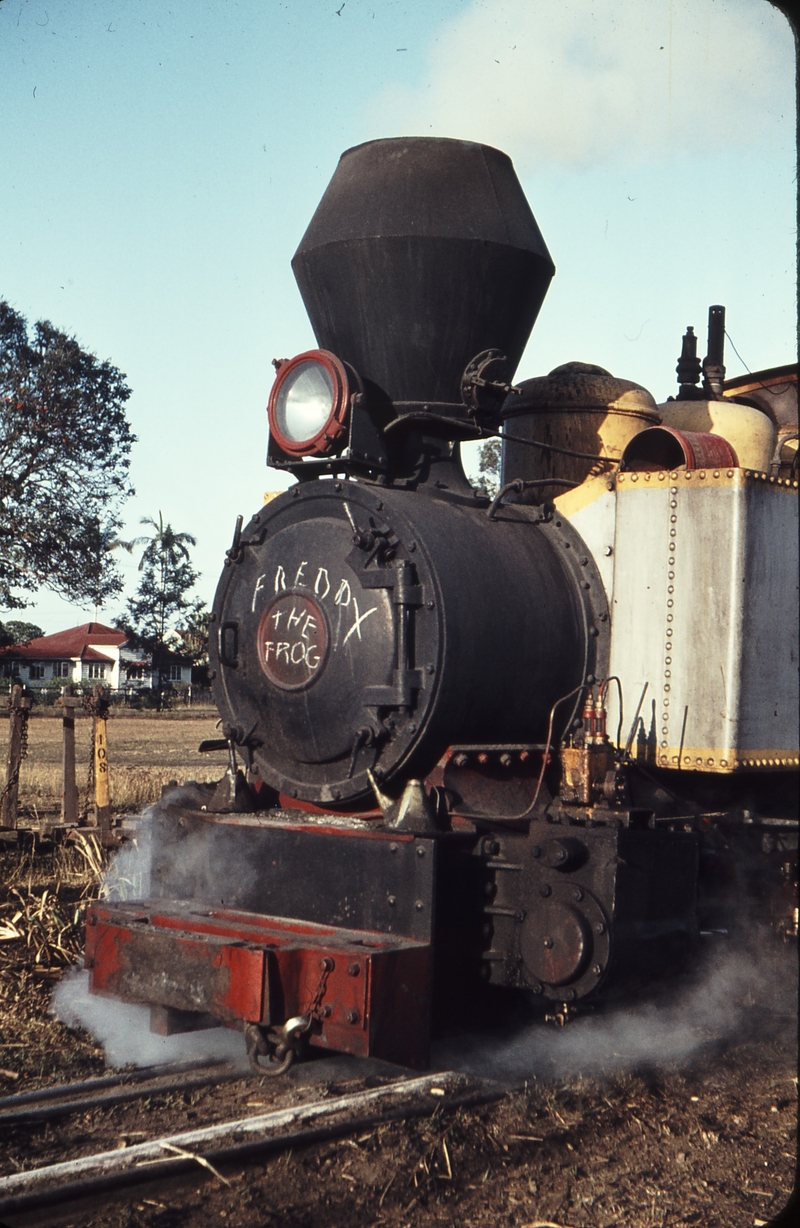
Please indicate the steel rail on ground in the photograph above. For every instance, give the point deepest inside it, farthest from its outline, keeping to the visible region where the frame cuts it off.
(242, 1139)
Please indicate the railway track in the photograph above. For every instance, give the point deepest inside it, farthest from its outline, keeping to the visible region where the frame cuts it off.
(224, 1142)
(59, 1101)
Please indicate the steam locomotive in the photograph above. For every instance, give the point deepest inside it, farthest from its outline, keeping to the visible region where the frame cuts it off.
(534, 742)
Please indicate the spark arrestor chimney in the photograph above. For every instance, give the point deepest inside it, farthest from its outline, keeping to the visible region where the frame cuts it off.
(422, 253)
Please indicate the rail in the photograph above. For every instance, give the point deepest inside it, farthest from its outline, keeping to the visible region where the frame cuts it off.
(241, 1139)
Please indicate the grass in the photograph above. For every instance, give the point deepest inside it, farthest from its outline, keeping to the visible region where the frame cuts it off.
(144, 755)
(43, 901)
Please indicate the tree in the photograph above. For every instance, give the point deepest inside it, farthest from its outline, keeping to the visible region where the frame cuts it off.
(162, 596)
(489, 464)
(16, 632)
(167, 576)
(64, 457)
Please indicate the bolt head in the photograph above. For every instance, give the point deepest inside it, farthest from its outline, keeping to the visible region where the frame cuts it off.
(547, 943)
(352, 1016)
(353, 969)
(391, 900)
(545, 890)
(420, 850)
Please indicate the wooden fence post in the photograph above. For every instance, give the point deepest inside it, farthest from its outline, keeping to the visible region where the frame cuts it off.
(69, 795)
(102, 793)
(20, 705)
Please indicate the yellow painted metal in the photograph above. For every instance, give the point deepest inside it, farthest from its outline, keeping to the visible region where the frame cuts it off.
(718, 759)
(746, 428)
(102, 792)
(713, 477)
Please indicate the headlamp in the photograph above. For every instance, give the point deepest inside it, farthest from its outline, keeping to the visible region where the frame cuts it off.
(309, 404)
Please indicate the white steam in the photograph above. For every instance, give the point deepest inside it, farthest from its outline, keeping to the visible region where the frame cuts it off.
(121, 1028)
(124, 1030)
(669, 1027)
(588, 82)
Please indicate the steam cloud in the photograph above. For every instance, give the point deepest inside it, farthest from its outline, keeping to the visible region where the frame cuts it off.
(120, 1027)
(583, 83)
(667, 1028)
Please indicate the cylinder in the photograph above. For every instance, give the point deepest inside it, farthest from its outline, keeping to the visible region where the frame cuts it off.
(576, 408)
(371, 628)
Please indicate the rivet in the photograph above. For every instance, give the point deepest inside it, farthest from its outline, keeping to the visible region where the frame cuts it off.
(730, 473)
(716, 473)
(420, 850)
(702, 473)
(674, 477)
(545, 890)
(661, 477)
(647, 477)
(688, 475)
(686, 759)
(547, 943)
(578, 894)
(663, 747)
(379, 506)
(353, 969)
(667, 687)
(337, 485)
(391, 901)
(429, 605)
(596, 969)
(634, 477)
(418, 905)
(393, 847)
(709, 762)
(352, 1016)
(412, 547)
(584, 561)
(723, 762)
(600, 928)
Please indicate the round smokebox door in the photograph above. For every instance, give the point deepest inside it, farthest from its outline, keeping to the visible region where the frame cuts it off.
(316, 622)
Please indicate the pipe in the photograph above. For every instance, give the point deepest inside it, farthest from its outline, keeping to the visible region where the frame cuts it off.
(517, 487)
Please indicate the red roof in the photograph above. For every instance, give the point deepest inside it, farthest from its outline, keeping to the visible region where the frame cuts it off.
(69, 644)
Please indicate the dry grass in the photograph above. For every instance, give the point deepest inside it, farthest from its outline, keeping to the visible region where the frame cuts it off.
(144, 754)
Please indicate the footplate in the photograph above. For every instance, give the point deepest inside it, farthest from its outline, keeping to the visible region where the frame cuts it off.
(368, 992)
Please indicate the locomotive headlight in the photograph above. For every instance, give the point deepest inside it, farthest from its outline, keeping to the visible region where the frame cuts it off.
(310, 403)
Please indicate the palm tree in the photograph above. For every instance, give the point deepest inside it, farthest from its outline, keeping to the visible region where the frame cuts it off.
(166, 559)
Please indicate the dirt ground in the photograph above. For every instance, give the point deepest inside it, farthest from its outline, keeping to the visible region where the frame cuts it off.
(710, 1141)
(144, 752)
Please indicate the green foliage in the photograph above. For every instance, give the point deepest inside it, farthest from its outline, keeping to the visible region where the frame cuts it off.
(16, 632)
(64, 457)
(167, 577)
(489, 463)
(162, 597)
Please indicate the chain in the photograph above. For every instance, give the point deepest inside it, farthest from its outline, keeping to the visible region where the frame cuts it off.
(13, 779)
(314, 1011)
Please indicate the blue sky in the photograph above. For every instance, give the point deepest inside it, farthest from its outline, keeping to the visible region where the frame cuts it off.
(159, 164)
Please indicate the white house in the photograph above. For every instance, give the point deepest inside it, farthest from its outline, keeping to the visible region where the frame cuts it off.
(85, 655)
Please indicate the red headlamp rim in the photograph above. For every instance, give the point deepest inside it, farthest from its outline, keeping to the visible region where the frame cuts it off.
(335, 425)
